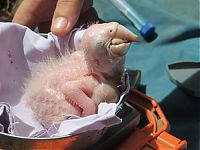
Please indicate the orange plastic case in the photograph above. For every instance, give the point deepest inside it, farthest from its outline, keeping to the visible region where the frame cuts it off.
(154, 135)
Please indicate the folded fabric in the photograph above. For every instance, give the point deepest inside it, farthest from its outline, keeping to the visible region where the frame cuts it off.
(6, 119)
(21, 50)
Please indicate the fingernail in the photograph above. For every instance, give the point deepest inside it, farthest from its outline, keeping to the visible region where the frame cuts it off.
(60, 23)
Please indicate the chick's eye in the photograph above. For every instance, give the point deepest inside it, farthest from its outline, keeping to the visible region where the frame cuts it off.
(97, 62)
(111, 31)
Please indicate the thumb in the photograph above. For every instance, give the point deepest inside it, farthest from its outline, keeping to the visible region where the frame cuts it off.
(65, 16)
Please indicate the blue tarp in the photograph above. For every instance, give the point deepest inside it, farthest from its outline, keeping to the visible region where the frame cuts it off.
(178, 28)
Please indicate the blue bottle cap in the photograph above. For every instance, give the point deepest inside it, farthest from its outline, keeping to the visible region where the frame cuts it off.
(147, 30)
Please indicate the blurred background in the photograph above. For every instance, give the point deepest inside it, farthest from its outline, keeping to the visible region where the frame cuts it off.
(178, 37)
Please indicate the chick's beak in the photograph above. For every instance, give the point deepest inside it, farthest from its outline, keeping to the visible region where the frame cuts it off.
(121, 41)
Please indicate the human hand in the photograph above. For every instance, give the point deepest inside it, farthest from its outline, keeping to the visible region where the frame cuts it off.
(58, 15)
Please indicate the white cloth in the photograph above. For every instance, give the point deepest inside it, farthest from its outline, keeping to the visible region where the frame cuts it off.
(20, 51)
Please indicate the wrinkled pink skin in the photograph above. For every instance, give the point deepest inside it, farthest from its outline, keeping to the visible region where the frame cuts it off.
(76, 84)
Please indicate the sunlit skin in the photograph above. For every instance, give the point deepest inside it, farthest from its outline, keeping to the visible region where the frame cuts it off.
(57, 16)
(77, 83)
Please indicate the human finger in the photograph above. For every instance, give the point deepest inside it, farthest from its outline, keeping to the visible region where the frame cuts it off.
(32, 12)
(65, 16)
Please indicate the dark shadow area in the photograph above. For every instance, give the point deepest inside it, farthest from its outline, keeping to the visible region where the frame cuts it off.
(184, 65)
(182, 106)
(4, 120)
(88, 18)
(186, 75)
(193, 33)
(192, 85)
(183, 114)
(7, 9)
(151, 38)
